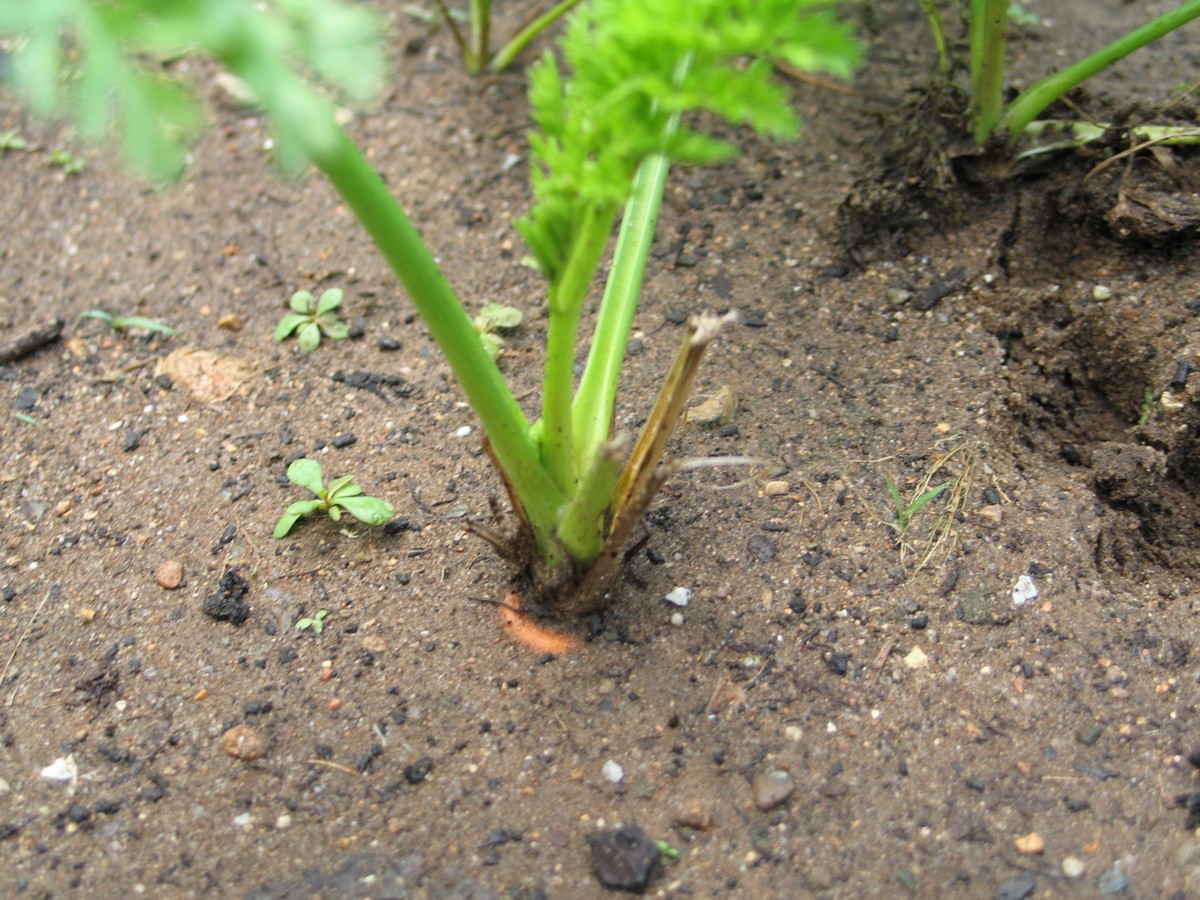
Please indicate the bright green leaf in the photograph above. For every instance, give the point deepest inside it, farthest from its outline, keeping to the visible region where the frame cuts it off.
(495, 317)
(335, 330)
(293, 514)
(330, 300)
(492, 343)
(343, 486)
(288, 324)
(302, 302)
(147, 324)
(307, 473)
(370, 510)
(309, 337)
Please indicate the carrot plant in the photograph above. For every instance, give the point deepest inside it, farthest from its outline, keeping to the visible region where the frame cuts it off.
(995, 117)
(608, 123)
(475, 44)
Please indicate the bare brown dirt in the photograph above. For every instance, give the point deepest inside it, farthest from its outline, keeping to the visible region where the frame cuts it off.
(836, 713)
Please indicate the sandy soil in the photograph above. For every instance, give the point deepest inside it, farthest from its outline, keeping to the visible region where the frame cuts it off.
(839, 711)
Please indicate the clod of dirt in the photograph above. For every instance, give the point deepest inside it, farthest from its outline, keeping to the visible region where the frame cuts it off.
(243, 742)
(226, 603)
(210, 378)
(984, 606)
(169, 574)
(624, 858)
(1128, 474)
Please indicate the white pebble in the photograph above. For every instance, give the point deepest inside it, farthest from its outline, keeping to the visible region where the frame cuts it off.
(679, 596)
(1073, 867)
(1024, 590)
(63, 770)
(464, 431)
(677, 619)
(612, 771)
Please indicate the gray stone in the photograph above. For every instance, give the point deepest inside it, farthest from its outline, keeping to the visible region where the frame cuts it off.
(771, 788)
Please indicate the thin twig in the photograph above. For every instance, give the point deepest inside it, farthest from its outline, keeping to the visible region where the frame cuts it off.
(30, 340)
(332, 765)
(54, 591)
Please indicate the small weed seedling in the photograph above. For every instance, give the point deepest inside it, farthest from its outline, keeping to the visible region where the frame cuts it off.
(608, 124)
(341, 494)
(118, 322)
(309, 320)
(493, 322)
(315, 623)
(905, 510)
(10, 140)
(65, 160)
(1148, 399)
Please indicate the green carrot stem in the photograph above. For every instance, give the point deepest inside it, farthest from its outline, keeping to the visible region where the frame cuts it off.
(479, 41)
(566, 298)
(581, 526)
(400, 243)
(1026, 107)
(989, 31)
(504, 57)
(592, 411)
(938, 30)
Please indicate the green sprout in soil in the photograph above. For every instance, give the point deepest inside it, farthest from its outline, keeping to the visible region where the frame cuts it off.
(10, 140)
(65, 160)
(27, 419)
(316, 622)
(995, 116)
(1148, 399)
(666, 850)
(341, 494)
(118, 322)
(906, 509)
(308, 320)
(608, 124)
(493, 323)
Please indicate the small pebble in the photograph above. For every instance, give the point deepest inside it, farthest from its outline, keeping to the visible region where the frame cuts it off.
(1073, 866)
(717, 410)
(679, 596)
(771, 788)
(283, 822)
(231, 322)
(169, 574)
(916, 659)
(1112, 881)
(1016, 888)
(990, 516)
(624, 859)
(242, 742)
(1101, 292)
(612, 772)
(776, 488)
(694, 814)
(1030, 844)
(677, 619)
